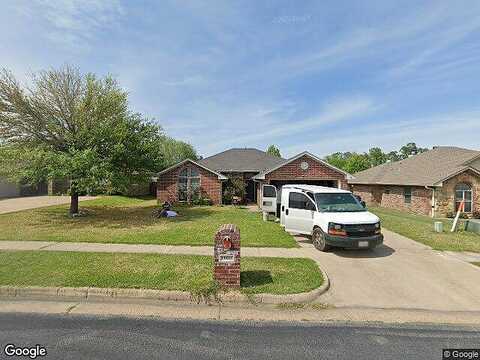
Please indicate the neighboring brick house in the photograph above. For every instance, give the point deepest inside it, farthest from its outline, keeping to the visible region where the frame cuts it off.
(189, 179)
(431, 183)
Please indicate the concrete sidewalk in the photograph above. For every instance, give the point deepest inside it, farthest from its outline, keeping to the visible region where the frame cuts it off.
(235, 312)
(400, 274)
(33, 202)
(155, 249)
(464, 256)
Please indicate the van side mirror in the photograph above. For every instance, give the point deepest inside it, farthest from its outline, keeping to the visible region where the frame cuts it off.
(364, 204)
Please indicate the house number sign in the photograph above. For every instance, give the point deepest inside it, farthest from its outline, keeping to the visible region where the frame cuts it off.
(227, 258)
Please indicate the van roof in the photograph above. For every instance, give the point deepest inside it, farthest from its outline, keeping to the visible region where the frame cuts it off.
(314, 188)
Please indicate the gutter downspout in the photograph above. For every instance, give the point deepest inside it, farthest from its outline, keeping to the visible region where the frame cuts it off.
(433, 200)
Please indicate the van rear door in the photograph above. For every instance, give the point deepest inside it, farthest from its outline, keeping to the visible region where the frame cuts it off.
(269, 198)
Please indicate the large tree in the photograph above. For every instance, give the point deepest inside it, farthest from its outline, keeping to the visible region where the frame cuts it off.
(357, 162)
(76, 126)
(175, 151)
(377, 156)
(274, 151)
(410, 149)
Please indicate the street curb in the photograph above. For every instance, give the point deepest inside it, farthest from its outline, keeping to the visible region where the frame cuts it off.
(90, 293)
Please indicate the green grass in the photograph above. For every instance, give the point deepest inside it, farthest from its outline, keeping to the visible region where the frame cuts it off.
(151, 271)
(420, 228)
(118, 219)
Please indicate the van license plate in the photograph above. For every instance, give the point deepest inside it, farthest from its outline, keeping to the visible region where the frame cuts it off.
(363, 244)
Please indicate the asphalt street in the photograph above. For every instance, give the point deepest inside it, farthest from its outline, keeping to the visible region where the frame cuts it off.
(80, 337)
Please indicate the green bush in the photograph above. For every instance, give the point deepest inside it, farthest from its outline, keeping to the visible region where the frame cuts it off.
(202, 202)
(234, 186)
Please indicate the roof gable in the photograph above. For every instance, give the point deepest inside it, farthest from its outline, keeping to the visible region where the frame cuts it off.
(220, 176)
(241, 160)
(261, 176)
(474, 162)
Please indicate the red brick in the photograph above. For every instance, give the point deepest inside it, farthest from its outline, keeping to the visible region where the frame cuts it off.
(392, 196)
(210, 185)
(227, 274)
(316, 171)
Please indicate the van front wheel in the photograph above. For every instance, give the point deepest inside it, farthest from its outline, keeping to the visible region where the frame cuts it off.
(318, 240)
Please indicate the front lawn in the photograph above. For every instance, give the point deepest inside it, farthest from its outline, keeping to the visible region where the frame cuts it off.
(151, 271)
(420, 228)
(118, 219)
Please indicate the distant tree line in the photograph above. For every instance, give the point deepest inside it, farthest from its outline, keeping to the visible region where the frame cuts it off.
(353, 162)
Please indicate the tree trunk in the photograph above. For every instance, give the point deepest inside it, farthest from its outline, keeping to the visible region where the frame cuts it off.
(73, 203)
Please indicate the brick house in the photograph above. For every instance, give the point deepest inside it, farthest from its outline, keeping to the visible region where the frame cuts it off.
(431, 183)
(188, 180)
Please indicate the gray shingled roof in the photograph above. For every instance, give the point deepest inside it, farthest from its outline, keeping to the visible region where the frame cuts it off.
(425, 169)
(241, 160)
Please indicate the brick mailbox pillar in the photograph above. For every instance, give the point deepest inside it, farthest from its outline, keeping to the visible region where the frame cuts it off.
(227, 256)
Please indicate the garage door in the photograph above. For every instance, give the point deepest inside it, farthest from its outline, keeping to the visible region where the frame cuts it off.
(328, 183)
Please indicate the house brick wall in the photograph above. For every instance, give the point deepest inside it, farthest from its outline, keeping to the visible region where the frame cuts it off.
(366, 193)
(210, 185)
(316, 171)
(392, 196)
(445, 195)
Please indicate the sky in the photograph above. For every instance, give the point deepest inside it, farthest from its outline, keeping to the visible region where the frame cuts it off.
(322, 76)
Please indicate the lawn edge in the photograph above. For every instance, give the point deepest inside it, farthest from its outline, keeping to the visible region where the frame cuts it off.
(92, 293)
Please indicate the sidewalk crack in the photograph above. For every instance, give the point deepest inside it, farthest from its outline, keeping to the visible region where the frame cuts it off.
(70, 308)
(47, 246)
(219, 311)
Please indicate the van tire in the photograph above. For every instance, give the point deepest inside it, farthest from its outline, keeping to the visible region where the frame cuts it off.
(318, 240)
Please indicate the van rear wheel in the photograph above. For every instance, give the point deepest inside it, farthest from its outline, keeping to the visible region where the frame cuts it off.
(318, 240)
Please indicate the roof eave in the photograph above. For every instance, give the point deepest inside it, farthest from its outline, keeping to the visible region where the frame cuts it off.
(220, 176)
(389, 183)
(469, 161)
(261, 176)
(466, 168)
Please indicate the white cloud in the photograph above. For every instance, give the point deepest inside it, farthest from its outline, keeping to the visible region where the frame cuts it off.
(444, 38)
(213, 127)
(437, 129)
(186, 81)
(220, 74)
(73, 23)
(332, 112)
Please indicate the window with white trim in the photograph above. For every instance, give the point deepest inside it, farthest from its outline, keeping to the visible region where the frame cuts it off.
(188, 184)
(463, 192)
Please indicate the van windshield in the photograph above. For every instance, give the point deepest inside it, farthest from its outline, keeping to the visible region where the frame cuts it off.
(337, 202)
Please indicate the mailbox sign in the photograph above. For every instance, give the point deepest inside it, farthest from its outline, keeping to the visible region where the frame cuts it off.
(226, 255)
(227, 258)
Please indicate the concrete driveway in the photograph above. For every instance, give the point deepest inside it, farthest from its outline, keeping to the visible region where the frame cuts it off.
(32, 202)
(399, 274)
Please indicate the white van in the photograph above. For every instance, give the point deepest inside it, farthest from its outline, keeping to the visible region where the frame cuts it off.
(332, 217)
